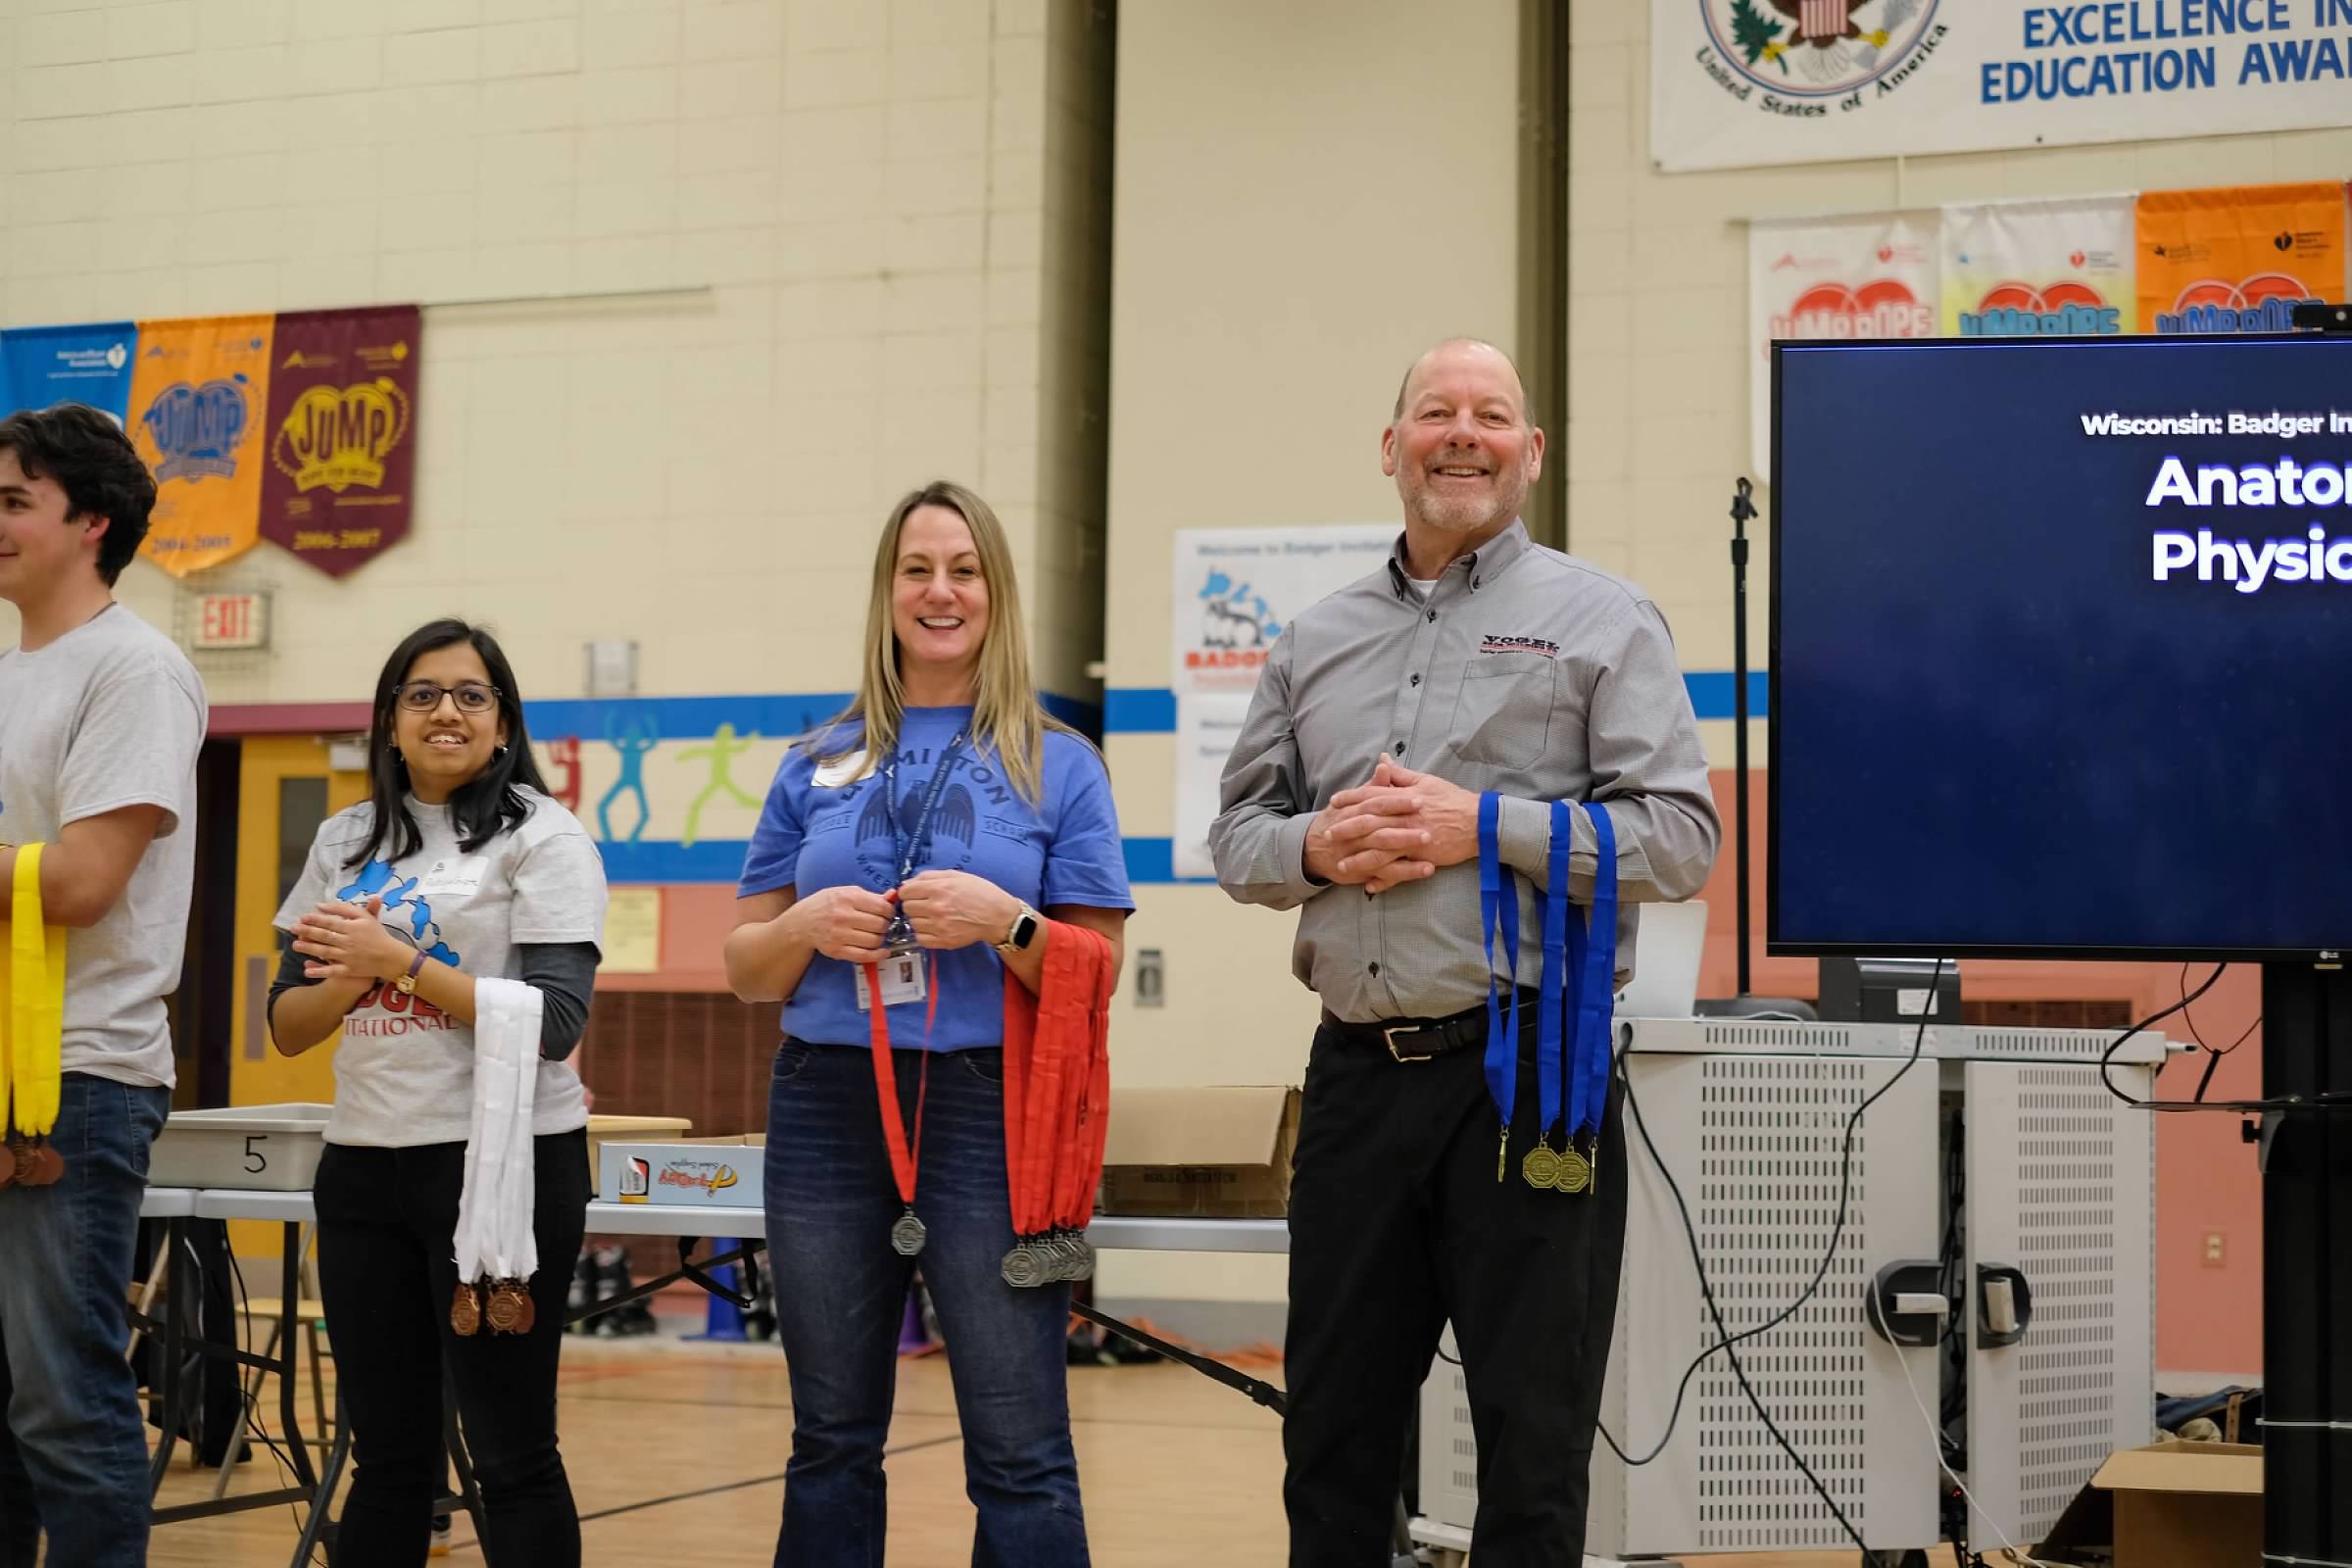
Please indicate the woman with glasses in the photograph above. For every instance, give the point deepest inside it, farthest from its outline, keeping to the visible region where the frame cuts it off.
(457, 867)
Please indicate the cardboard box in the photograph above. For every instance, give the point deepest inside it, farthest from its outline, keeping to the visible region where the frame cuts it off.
(628, 1129)
(684, 1173)
(2169, 1505)
(1201, 1154)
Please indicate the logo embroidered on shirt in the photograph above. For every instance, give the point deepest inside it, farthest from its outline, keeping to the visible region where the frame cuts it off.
(1495, 644)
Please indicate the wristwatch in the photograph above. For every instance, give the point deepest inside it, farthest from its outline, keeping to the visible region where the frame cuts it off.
(1023, 931)
(406, 985)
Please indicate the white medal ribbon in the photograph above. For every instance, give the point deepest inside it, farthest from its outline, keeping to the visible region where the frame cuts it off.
(493, 1238)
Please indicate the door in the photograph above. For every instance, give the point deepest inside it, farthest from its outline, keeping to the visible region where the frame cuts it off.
(285, 788)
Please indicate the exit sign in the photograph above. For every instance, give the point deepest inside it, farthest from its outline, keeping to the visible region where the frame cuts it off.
(232, 621)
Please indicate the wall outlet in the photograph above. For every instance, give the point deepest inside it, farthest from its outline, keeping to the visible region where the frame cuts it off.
(2215, 1255)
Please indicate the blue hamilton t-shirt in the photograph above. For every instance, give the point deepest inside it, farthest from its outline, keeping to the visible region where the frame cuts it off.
(814, 834)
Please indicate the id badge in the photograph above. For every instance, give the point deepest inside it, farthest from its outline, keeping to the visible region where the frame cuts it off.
(903, 980)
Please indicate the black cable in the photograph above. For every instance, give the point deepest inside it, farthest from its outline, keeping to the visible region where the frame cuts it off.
(1727, 1339)
(2325, 1100)
(250, 1415)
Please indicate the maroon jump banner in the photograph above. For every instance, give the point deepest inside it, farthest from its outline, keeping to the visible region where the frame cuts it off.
(340, 482)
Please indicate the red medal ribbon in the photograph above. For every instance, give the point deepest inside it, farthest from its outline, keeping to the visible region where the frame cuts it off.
(906, 1154)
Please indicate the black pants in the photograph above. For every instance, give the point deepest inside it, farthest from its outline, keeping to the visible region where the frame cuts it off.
(1398, 1225)
(387, 1219)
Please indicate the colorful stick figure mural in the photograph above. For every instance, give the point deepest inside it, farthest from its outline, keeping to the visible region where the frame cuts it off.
(723, 749)
(632, 743)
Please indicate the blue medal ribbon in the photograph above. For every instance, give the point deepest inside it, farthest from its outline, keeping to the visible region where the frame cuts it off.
(1578, 978)
(1498, 906)
(1593, 959)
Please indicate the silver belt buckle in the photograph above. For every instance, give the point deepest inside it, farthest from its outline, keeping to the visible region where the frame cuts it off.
(1390, 1035)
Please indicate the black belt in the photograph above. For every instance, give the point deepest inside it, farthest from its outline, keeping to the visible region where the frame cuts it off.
(1420, 1039)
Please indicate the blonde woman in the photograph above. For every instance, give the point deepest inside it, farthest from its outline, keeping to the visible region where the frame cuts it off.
(913, 843)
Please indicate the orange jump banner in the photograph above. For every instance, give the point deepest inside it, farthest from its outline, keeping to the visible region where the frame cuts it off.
(2238, 258)
(197, 399)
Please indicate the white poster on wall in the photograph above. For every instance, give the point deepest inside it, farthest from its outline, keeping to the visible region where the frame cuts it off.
(2060, 267)
(1234, 591)
(1749, 83)
(1838, 278)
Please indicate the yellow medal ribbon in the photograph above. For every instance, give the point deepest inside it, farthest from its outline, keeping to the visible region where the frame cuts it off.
(33, 1007)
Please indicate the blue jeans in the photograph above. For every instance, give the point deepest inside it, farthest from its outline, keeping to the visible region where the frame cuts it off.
(73, 1448)
(841, 1296)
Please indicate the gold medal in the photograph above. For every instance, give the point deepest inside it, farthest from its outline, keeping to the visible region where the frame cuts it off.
(464, 1311)
(1542, 1167)
(1573, 1172)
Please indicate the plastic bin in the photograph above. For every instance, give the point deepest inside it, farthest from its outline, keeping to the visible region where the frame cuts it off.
(265, 1148)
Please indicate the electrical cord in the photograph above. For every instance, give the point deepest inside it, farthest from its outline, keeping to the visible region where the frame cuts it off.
(1727, 1339)
(2016, 1554)
(2324, 1100)
(250, 1410)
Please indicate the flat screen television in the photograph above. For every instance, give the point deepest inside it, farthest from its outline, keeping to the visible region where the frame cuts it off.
(2062, 648)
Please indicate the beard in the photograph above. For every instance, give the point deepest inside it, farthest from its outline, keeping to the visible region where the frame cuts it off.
(1499, 502)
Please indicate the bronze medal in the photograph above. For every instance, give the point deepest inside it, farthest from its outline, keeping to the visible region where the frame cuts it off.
(505, 1312)
(47, 1165)
(465, 1311)
(1575, 1172)
(20, 1155)
(1542, 1167)
(8, 1164)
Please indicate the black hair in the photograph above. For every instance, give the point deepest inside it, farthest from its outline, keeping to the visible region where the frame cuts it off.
(484, 806)
(97, 467)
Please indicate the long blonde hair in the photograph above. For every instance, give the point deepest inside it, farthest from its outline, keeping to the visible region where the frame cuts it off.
(1006, 715)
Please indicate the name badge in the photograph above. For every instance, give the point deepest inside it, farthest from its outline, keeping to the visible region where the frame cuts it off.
(903, 980)
(460, 878)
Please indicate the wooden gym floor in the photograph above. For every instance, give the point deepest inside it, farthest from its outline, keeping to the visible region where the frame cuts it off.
(676, 1453)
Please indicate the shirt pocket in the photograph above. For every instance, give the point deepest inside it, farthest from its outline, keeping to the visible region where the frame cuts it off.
(1503, 716)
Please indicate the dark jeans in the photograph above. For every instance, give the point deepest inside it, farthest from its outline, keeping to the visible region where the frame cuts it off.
(1398, 1225)
(387, 1222)
(73, 1448)
(841, 1294)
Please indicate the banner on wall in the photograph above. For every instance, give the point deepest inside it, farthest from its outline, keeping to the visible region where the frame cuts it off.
(1839, 279)
(1235, 590)
(2039, 268)
(2238, 259)
(197, 399)
(1753, 84)
(44, 366)
(341, 434)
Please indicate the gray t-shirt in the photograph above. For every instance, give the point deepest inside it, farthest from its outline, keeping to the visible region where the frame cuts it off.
(110, 715)
(404, 1072)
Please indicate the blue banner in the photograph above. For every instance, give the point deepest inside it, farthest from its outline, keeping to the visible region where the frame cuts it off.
(41, 366)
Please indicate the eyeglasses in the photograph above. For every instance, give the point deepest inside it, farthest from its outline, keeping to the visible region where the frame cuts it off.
(472, 696)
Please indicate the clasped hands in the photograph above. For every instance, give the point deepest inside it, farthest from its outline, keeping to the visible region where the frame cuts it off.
(1398, 828)
(351, 941)
(947, 910)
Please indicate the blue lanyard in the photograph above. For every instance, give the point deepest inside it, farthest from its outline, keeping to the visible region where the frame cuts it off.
(1579, 974)
(1498, 905)
(911, 845)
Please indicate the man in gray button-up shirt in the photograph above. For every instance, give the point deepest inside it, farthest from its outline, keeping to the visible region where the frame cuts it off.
(1475, 661)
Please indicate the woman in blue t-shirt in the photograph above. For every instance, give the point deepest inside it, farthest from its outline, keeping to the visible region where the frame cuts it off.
(921, 832)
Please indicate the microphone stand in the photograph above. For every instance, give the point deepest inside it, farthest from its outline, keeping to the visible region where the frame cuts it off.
(1742, 511)
(1746, 1004)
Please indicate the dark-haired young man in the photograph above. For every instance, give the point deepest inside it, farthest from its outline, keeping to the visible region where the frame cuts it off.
(100, 719)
